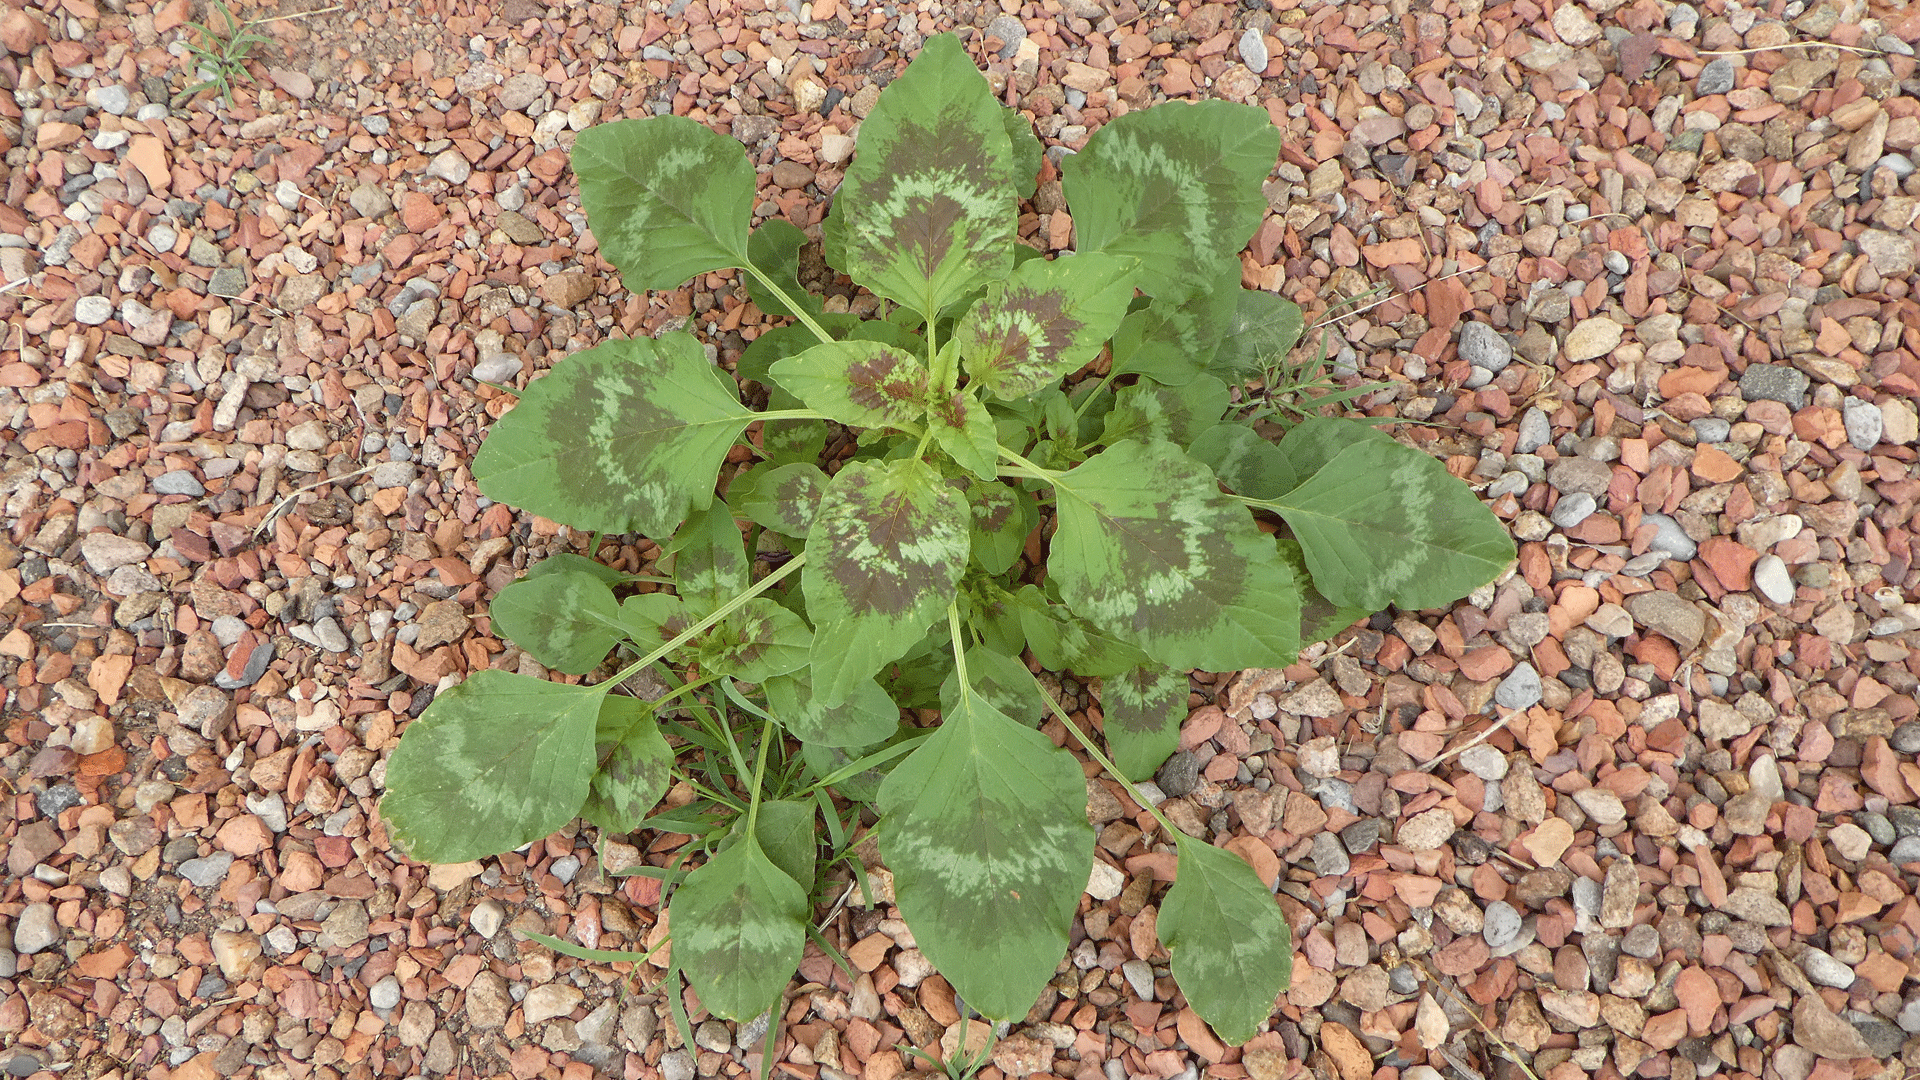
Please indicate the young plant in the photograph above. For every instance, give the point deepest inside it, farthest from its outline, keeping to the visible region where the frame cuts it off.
(222, 54)
(1006, 404)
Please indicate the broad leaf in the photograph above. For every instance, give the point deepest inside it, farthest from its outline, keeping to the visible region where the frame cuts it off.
(752, 644)
(1310, 444)
(1001, 681)
(1143, 710)
(565, 561)
(1003, 517)
(860, 383)
(785, 829)
(1028, 154)
(666, 197)
(1063, 641)
(497, 761)
(1264, 329)
(1176, 186)
(1231, 946)
(633, 765)
(1173, 339)
(777, 344)
(1320, 618)
(887, 545)
(739, 926)
(927, 211)
(1385, 524)
(709, 559)
(1244, 461)
(774, 249)
(1149, 549)
(1048, 319)
(1177, 414)
(781, 498)
(566, 617)
(985, 829)
(964, 429)
(866, 717)
(623, 437)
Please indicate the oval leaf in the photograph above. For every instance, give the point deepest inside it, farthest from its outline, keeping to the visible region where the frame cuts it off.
(1244, 462)
(985, 829)
(1232, 948)
(1143, 710)
(1146, 410)
(667, 198)
(739, 925)
(633, 765)
(782, 498)
(1003, 517)
(859, 383)
(709, 559)
(866, 717)
(1264, 329)
(774, 250)
(1048, 319)
(1320, 618)
(567, 617)
(964, 429)
(496, 762)
(623, 437)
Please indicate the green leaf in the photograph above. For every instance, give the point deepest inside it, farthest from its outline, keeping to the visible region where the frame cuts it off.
(927, 211)
(1176, 186)
(1320, 618)
(1003, 518)
(739, 926)
(1313, 442)
(1028, 155)
(495, 762)
(1385, 524)
(1248, 464)
(782, 498)
(554, 564)
(985, 829)
(1063, 641)
(623, 437)
(791, 442)
(785, 829)
(964, 429)
(633, 765)
(755, 643)
(1173, 339)
(1264, 328)
(1143, 710)
(866, 717)
(709, 559)
(774, 249)
(1177, 414)
(667, 198)
(1149, 549)
(887, 545)
(1231, 946)
(1002, 681)
(566, 617)
(777, 344)
(1048, 319)
(858, 383)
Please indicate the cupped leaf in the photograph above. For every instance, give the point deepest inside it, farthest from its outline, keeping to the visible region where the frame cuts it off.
(1048, 319)
(1173, 339)
(985, 829)
(866, 717)
(739, 926)
(1177, 186)
(633, 765)
(666, 197)
(861, 383)
(927, 211)
(564, 562)
(1003, 517)
(1063, 641)
(774, 250)
(709, 559)
(1143, 710)
(785, 829)
(1028, 154)
(1146, 410)
(777, 344)
(888, 542)
(1231, 946)
(1383, 524)
(1002, 681)
(1246, 463)
(1264, 328)
(495, 762)
(1313, 442)
(964, 429)
(566, 617)
(623, 437)
(1149, 549)
(758, 641)
(1320, 618)
(782, 498)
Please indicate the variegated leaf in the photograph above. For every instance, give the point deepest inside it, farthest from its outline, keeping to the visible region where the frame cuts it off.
(778, 343)
(739, 926)
(1063, 641)
(1174, 339)
(782, 498)
(1231, 946)
(709, 558)
(633, 765)
(495, 762)
(887, 545)
(927, 211)
(623, 437)
(759, 640)
(866, 717)
(1264, 328)
(859, 383)
(774, 249)
(1143, 710)
(1028, 154)
(666, 197)
(1248, 464)
(1003, 517)
(1149, 549)
(566, 618)
(1383, 523)
(1146, 410)
(964, 429)
(785, 829)
(1002, 681)
(1048, 319)
(985, 829)
(1320, 618)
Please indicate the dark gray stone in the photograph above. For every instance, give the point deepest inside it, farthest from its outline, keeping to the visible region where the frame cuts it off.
(1774, 382)
(1180, 775)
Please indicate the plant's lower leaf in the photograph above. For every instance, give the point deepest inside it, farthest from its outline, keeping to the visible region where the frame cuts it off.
(667, 198)
(566, 617)
(985, 829)
(782, 498)
(739, 926)
(774, 249)
(498, 761)
(1246, 463)
(866, 717)
(633, 765)
(1176, 414)
(1150, 550)
(554, 564)
(1028, 154)
(785, 829)
(709, 558)
(778, 343)
(1313, 442)
(794, 442)
(1002, 681)
(1383, 524)
(757, 642)
(1264, 327)
(1320, 618)
(1003, 517)
(1231, 946)
(1143, 710)
(964, 429)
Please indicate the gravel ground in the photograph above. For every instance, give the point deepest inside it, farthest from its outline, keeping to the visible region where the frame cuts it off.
(1647, 806)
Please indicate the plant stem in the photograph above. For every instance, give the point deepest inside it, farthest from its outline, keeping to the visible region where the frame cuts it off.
(1095, 392)
(799, 312)
(1023, 467)
(718, 614)
(1107, 764)
(959, 648)
(759, 776)
(790, 414)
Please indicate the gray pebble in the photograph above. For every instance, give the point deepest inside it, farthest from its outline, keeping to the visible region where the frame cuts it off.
(1641, 940)
(1502, 924)
(498, 368)
(178, 482)
(1477, 377)
(1333, 793)
(1180, 775)
(564, 868)
(207, 872)
(1883, 1039)
(385, 994)
(1483, 347)
(376, 125)
(1617, 262)
(92, 310)
(1716, 77)
(1906, 850)
(392, 474)
(1774, 382)
(110, 99)
(676, 1064)
(1822, 968)
(1712, 429)
(35, 929)
(1909, 1019)
(270, 808)
(1011, 31)
(1360, 836)
(331, 638)
(369, 201)
(1509, 483)
(1403, 979)
(1906, 819)
(1573, 509)
(1520, 689)
(1877, 826)
(228, 281)
(1535, 431)
(1329, 857)
(162, 236)
(1139, 976)
(1771, 578)
(1906, 737)
(1898, 164)
(1253, 51)
(57, 798)
(1671, 538)
(1484, 762)
(227, 630)
(151, 111)
(1864, 422)
(25, 1063)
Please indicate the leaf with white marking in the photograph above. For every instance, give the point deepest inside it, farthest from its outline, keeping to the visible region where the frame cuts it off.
(1231, 946)
(755, 642)
(1046, 320)
(666, 197)
(1320, 618)
(633, 765)
(497, 761)
(964, 429)
(1143, 710)
(1028, 154)
(624, 437)
(985, 829)
(1063, 641)
(1150, 550)
(566, 617)
(739, 926)
(1173, 339)
(1003, 518)
(1264, 328)
(858, 383)
(709, 558)
(887, 545)
(927, 211)
(1002, 681)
